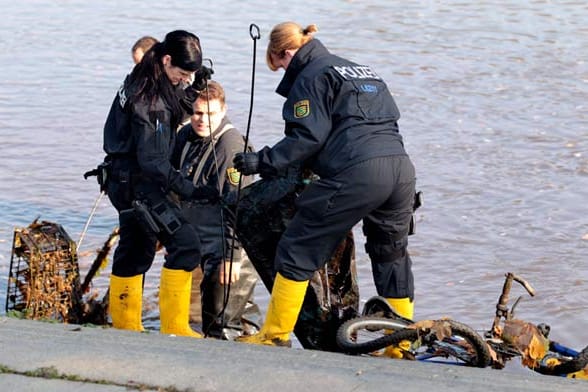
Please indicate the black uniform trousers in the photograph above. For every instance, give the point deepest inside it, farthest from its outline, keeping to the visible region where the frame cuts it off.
(381, 192)
(136, 246)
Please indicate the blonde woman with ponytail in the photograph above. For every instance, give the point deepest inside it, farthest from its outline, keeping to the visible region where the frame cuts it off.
(341, 122)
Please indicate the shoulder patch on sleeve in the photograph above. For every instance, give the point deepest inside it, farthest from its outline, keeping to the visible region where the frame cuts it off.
(233, 175)
(122, 96)
(302, 108)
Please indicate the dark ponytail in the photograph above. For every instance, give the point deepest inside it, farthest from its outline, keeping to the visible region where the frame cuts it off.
(148, 79)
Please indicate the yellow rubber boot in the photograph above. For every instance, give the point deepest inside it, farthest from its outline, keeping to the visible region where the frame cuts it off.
(402, 306)
(126, 302)
(282, 313)
(581, 374)
(174, 302)
(405, 308)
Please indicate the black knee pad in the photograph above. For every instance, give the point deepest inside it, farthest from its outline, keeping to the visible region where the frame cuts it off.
(382, 246)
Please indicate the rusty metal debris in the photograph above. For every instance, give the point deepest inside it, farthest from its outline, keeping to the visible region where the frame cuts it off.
(44, 277)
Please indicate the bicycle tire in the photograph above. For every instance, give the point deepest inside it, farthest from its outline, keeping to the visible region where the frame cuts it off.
(567, 366)
(464, 345)
(356, 336)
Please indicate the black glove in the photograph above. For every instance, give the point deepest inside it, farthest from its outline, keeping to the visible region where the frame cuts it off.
(192, 92)
(205, 192)
(187, 100)
(246, 162)
(200, 77)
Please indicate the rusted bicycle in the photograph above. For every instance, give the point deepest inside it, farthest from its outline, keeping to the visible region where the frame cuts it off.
(449, 341)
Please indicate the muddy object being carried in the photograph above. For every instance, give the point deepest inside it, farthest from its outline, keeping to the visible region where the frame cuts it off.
(264, 210)
(44, 277)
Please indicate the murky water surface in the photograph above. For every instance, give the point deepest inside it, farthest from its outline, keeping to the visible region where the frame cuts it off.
(494, 114)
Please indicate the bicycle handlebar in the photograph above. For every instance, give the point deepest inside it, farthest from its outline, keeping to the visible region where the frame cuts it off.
(502, 305)
(524, 283)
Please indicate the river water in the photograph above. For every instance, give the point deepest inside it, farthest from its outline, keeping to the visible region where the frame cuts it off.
(493, 97)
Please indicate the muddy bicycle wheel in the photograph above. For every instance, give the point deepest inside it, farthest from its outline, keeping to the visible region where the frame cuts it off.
(357, 336)
(445, 341)
(566, 365)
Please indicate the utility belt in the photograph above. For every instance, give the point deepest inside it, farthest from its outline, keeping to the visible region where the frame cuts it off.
(123, 176)
(117, 168)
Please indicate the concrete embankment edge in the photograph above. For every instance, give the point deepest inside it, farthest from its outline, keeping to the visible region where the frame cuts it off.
(104, 359)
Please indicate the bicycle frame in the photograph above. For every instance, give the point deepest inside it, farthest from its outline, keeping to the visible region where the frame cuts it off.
(459, 344)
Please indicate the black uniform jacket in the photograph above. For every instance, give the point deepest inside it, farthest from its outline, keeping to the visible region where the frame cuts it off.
(194, 157)
(141, 134)
(337, 113)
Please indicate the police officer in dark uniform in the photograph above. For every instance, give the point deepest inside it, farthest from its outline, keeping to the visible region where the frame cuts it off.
(139, 136)
(341, 122)
(204, 154)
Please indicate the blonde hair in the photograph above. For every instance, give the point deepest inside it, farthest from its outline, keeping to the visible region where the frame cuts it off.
(287, 35)
(144, 43)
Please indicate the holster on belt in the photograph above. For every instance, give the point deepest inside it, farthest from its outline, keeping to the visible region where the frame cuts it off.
(156, 218)
(144, 216)
(102, 173)
(418, 201)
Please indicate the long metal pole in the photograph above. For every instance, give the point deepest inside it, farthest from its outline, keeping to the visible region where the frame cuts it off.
(255, 35)
(83, 234)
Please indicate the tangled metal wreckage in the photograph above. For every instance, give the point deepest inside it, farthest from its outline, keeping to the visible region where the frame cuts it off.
(44, 279)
